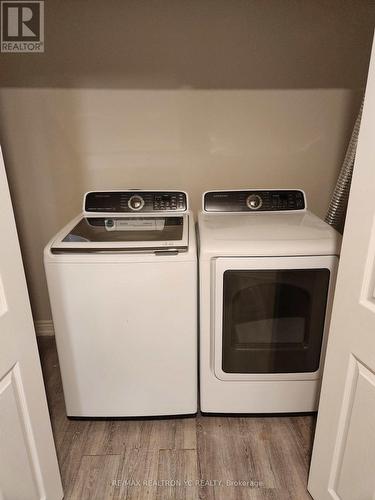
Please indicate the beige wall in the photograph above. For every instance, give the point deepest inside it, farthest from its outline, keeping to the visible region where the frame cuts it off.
(188, 94)
(60, 143)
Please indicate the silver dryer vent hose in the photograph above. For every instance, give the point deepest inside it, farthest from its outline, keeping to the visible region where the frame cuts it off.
(339, 201)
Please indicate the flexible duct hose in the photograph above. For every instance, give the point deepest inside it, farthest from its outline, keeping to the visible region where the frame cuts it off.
(337, 208)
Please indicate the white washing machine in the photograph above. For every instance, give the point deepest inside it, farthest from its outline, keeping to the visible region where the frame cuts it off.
(267, 276)
(122, 281)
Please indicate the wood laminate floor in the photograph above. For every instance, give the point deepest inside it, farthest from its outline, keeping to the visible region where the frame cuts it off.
(212, 458)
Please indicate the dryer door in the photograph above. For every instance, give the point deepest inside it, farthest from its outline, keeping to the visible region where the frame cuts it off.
(271, 315)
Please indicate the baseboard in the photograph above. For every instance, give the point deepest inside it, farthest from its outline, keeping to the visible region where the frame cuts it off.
(44, 328)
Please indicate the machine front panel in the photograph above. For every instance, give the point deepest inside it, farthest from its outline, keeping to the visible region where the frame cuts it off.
(274, 200)
(271, 316)
(135, 201)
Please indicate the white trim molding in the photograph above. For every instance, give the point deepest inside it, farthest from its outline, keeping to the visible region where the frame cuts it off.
(44, 328)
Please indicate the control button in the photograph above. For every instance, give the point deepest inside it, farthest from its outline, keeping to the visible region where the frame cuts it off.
(136, 202)
(254, 202)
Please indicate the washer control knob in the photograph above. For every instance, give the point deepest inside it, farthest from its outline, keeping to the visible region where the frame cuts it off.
(136, 202)
(254, 201)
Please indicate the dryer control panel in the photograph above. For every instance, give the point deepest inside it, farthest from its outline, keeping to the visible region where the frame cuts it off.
(254, 200)
(135, 201)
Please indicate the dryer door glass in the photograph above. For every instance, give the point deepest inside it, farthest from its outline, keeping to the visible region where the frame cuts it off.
(273, 320)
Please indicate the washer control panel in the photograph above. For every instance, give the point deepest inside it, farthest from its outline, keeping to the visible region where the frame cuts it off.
(274, 200)
(135, 201)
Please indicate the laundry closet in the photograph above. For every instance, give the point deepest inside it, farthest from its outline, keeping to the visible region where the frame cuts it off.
(170, 167)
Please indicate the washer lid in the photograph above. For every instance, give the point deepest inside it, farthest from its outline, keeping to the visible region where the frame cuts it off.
(266, 234)
(123, 233)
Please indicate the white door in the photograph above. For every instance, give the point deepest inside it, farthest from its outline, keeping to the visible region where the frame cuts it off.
(28, 463)
(343, 462)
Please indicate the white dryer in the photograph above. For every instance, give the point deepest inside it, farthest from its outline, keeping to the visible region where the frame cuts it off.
(267, 276)
(122, 281)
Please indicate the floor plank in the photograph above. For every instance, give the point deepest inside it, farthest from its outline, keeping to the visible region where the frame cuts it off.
(177, 475)
(207, 457)
(95, 478)
(186, 434)
(70, 452)
(138, 475)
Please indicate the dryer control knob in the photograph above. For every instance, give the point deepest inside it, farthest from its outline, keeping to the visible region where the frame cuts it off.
(254, 201)
(136, 202)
